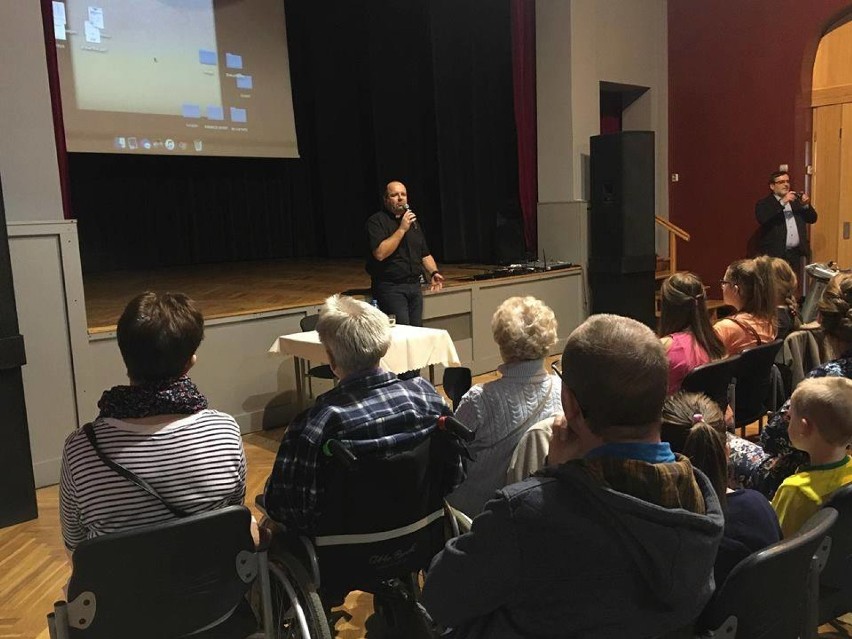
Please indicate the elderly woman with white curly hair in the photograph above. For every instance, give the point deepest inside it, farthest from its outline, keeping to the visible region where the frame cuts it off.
(501, 411)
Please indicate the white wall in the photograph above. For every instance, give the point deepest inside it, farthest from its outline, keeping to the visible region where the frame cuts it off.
(580, 43)
(28, 165)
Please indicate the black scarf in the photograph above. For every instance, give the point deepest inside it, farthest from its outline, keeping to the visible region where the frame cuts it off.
(170, 397)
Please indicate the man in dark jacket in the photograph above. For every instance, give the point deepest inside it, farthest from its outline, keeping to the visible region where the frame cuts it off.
(617, 540)
(783, 215)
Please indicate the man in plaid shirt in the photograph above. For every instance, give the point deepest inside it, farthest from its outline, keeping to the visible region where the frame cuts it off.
(370, 411)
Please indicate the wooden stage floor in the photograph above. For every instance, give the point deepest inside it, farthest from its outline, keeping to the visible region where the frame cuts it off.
(239, 288)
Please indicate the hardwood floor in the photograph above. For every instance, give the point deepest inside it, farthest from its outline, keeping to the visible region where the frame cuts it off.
(242, 288)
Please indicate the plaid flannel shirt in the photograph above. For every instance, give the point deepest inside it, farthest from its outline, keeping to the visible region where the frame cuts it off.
(371, 412)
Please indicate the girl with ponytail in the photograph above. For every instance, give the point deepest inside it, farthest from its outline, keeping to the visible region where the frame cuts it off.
(685, 328)
(750, 287)
(694, 426)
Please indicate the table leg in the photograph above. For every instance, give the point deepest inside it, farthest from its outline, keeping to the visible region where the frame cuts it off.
(432, 374)
(300, 398)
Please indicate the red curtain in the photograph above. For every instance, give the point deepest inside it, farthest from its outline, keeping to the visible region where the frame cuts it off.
(56, 104)
(523, 76)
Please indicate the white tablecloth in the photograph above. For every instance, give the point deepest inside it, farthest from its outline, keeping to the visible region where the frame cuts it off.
(411, 348)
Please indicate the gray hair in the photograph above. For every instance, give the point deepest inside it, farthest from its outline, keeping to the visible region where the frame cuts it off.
(524, 329)
(356, 334)
(618, 371)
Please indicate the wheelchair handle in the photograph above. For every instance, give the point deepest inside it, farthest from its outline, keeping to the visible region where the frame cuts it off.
(333, 448)
(455, 427)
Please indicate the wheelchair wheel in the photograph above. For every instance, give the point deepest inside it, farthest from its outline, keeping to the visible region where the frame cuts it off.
(297, 609)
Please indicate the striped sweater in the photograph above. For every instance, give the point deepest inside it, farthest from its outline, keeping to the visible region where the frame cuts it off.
(195, 463)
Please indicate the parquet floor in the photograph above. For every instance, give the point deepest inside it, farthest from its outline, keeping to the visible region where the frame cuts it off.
(34, 566)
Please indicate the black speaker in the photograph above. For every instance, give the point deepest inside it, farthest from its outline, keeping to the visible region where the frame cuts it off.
(621, 224)
(622, 257)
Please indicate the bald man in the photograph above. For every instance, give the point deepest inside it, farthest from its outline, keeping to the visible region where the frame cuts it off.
(398, 257)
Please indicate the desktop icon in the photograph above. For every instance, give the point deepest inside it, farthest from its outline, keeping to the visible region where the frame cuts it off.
(145, 143)
(120, 142)
(170, 144)
(182, 146)
(131, 143)
(199, 144)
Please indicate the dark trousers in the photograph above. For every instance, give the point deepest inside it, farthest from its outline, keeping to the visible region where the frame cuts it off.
(404, 300)
(793, 257)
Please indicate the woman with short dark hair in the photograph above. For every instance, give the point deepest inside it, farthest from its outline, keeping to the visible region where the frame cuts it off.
(158, 427)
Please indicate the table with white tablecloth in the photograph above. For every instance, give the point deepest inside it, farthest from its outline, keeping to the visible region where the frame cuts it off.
(411, 348)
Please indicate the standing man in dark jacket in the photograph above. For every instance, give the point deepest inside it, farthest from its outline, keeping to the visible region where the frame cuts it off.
(398, 257)
(618, 540)
(783, 215)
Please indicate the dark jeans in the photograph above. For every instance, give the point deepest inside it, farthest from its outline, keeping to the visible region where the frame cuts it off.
(403, 300)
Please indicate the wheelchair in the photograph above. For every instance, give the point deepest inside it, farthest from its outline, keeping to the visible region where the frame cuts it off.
(382, 520)
(171, 579)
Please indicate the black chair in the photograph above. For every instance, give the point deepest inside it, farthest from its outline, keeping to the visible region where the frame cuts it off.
(755, 386)
(382, 520)
(167, 580)
(771, 594)
(713, 379)
(835, 584)
(457, 381)
(323, 371)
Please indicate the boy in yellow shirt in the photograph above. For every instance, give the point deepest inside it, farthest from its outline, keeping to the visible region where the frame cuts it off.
(821, 425)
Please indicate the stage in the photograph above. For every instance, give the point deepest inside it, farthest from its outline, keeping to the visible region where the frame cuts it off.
(242, 288)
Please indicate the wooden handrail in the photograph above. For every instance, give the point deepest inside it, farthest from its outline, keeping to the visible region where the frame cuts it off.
(672, 228)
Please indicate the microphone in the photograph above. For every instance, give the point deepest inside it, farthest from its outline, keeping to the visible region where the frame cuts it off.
(407, 209)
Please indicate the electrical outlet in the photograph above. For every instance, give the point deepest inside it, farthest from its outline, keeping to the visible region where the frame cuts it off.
(675, 177)
(783, 167)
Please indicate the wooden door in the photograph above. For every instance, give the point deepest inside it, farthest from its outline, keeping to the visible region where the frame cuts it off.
(825, 186)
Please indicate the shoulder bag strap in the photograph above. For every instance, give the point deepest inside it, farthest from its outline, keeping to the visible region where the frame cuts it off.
(127, 474)
(748, 329)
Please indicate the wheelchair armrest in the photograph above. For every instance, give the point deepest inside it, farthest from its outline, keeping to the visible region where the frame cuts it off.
(455, 427)
(333, 448)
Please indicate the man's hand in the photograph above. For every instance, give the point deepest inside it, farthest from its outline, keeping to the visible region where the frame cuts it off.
(564, 443)
(804, 199)
(437, 282)
(408, 218)
(790, 196)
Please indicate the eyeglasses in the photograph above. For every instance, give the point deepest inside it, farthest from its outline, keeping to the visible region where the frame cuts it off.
(781, 182)
(559, 374)
(723, 282)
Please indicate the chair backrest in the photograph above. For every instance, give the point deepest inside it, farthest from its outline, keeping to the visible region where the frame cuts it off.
(165, 580)
(754, 381)
(457, 381)
(382, 517)
(767, 591)
(712, 379)
(838, 571)
(308, 322)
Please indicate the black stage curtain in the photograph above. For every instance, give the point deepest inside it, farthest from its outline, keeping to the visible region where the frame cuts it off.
(419, 91)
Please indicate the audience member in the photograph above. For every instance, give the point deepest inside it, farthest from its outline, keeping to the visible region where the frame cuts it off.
(159, 428)
(617, 540)
(835, 318)
(371, 409)
(749, 287)
(694, 425)
(501, 411)
(821, 425)
(787, 307)
(687, 335)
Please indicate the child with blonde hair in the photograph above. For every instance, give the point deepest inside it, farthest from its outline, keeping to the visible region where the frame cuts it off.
(820, 425)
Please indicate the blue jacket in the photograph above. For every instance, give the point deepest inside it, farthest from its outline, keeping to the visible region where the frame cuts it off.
(562, 556)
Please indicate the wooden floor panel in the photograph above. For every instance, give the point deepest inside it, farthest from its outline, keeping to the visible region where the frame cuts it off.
(234, 289)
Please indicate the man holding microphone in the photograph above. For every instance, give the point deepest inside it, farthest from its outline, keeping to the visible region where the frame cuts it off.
(782, 216)
(398, 257)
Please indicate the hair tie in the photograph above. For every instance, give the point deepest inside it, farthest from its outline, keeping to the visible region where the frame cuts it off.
(697, 417)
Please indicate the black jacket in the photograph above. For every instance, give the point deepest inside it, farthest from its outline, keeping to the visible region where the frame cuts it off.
(773, 230)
